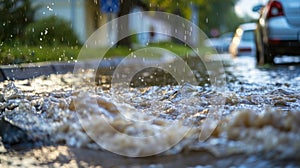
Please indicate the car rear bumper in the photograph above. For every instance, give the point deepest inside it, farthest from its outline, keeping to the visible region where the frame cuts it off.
(282, 37)
(286, 47)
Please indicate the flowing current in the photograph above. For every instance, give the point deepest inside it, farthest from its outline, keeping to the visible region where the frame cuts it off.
(260, 114)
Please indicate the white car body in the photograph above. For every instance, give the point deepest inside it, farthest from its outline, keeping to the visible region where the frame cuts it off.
(243, 42)
(278, 30)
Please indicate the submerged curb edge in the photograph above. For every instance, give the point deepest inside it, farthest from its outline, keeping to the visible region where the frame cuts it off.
(33, 70)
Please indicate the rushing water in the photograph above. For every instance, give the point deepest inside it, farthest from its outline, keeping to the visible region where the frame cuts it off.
(259, 113)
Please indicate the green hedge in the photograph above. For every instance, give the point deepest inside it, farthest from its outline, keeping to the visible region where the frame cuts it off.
(50, 31)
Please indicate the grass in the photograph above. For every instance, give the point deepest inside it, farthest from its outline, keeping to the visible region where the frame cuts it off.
(28, 54)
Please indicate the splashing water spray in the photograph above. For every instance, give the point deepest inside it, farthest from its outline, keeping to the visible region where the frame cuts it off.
(166, 60)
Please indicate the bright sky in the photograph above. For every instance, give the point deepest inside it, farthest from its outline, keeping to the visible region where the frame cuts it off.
(245, 7)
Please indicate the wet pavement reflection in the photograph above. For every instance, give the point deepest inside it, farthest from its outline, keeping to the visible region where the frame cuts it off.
(285, 72)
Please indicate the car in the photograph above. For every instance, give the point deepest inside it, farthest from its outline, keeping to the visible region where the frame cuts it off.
(221, 44)
(243, 43)
(278, 30)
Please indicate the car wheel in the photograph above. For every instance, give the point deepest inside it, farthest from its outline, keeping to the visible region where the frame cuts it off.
(257, 54)
(263, 56)
(268, 57)
(260, 54)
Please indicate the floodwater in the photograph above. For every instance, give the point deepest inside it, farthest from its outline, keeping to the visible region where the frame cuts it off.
(253, 121)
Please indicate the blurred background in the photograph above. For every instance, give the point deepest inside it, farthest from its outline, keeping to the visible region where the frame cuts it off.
(38, 30)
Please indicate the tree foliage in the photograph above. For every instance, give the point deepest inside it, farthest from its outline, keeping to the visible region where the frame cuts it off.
(213, 14)
(15, 16)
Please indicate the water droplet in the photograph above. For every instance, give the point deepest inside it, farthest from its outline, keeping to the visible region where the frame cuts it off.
(49, 8)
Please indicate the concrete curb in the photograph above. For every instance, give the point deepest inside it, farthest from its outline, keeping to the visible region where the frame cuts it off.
(63, 68)
(20, 73)
(33, 70)
(2, 76)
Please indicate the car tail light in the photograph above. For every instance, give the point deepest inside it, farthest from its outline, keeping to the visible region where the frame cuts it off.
(274, 41)
(245, 49)
(275, 9)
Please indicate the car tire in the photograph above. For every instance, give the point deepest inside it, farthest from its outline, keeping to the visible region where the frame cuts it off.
(260, 53)
(264, 56)
(268, 57)
(257, 54)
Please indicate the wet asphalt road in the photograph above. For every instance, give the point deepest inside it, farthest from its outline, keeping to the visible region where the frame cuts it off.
(282, 79)
(285, 72)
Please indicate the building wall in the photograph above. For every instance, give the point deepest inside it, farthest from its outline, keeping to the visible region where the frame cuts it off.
(83, 15)
(93, 17)
(148, 23)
